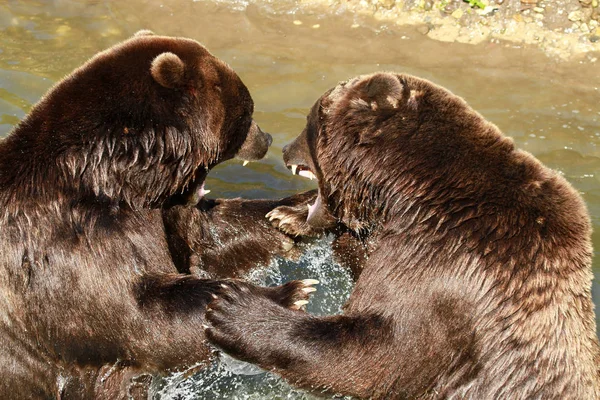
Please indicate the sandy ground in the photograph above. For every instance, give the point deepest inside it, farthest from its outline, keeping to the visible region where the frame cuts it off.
(565, 29)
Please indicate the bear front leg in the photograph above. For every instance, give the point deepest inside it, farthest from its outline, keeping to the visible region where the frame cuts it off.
(186, 294)
(227, 237)
(338, 354)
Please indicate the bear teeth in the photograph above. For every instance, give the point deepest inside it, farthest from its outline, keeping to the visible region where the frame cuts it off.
(245, 163)
(294, 168)
(307, 174)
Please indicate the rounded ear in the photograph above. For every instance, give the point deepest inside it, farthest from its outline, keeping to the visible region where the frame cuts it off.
(144, 32)
(167, 69)
(382, 90)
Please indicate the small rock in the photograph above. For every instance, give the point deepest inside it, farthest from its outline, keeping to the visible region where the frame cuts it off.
(518, 17)
(423, 29)
(593, 24)
(428, 5)
(458, 13)
(538, 16)
(297, 22)
(450, 7)
(538, 9)
(529, 1)
(594, 38)
(389, 4)
(575, 16)
(585, 3)
(594, 3)
(487, 10)
(584, 28)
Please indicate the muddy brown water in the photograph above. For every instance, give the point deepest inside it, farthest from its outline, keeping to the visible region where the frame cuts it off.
(288, 56)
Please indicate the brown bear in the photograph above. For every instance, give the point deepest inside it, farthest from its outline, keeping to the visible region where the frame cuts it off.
(477, 276)
(90, 297)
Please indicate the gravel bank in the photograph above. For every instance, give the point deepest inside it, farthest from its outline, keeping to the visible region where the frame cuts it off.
(565, 29)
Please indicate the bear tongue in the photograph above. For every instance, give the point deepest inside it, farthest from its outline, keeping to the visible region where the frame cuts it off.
(198, 195)
(314, 207)
(201, 192)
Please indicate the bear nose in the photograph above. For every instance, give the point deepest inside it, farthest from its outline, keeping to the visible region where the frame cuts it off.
(269, 139)
(285, 148)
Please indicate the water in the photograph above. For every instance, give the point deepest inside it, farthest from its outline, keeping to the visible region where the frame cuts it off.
(550, 108)
(227, 378)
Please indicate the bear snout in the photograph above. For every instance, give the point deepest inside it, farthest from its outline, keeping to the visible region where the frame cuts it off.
(269, 139)
(256, 144)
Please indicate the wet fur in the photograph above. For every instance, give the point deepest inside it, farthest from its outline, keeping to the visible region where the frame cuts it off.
(91, 300)
(477, 282)
(225, 238)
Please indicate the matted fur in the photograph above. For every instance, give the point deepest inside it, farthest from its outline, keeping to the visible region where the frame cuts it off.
(91, 301)
(477, 278)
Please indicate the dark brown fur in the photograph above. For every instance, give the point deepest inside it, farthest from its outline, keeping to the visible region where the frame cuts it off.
(90, 298)
(478, 272)
(225, 238)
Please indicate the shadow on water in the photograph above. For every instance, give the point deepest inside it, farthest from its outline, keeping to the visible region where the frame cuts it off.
(288, 56)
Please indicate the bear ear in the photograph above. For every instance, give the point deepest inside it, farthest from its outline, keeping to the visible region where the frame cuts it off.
(167, 69)
(381, 91)
(144, 32)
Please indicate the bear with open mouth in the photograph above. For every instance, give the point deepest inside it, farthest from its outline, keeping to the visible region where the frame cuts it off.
(91, 299)
(476, 277)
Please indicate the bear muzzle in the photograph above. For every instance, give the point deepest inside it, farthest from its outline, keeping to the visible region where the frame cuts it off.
(256, 144)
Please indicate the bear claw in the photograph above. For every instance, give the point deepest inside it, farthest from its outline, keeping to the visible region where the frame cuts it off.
(299, 304)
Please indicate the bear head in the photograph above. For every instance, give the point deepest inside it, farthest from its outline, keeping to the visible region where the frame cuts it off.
(389, 139)
(141, 123)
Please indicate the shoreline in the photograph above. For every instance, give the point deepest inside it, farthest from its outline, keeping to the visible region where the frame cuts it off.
(564, 29)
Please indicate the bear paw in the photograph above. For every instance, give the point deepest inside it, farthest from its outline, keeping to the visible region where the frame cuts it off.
(292, 221)
(245, 319)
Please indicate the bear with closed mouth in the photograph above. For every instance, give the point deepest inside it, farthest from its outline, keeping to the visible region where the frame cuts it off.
(476, 277)
(91, 300)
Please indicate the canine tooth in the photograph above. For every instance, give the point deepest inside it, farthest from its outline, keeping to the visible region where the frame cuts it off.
(245, 163)
(309, 282)
(294, 168)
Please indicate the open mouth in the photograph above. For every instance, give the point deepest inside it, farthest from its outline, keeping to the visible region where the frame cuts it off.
(305, 172)
(302, 170)
(195, 191)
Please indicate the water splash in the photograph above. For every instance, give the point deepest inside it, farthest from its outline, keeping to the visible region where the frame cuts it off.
(227, 378)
